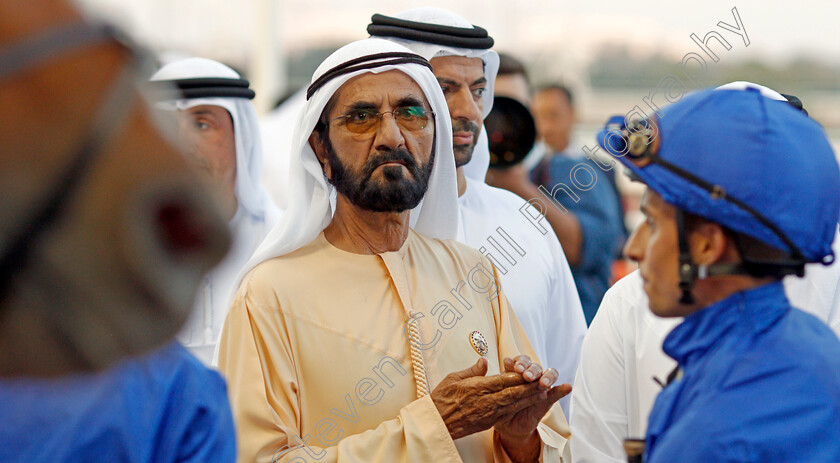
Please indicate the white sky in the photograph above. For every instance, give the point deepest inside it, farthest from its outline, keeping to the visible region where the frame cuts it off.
(778, 30)
(560, 36)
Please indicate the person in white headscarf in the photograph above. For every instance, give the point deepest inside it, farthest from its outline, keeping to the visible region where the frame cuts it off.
(219, 129)
(360, 283)
(506, 229)
(623, 367)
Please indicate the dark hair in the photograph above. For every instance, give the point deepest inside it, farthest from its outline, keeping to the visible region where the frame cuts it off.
(759, 258)
(509, 65)
(322, 127)
(560, 88)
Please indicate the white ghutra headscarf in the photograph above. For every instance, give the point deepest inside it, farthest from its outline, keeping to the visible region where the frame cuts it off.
(310, 209)
(476, 169)
(246, 131)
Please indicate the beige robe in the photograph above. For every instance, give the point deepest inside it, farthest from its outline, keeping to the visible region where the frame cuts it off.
(318, 363)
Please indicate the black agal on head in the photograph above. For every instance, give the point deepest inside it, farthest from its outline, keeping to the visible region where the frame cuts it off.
(366, 62)
(209, 87)
(450, 36)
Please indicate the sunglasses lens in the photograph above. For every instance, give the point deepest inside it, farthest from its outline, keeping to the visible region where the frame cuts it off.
(361, 127)
(411, 117)
(362, 121)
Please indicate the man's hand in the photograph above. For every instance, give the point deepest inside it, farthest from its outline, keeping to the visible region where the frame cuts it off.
(517, 431)
(470, 402)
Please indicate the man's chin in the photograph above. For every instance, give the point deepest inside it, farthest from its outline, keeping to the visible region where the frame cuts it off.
(384, 194)
(398, 206)
(463, 154)
(394, 172)
(671, 309)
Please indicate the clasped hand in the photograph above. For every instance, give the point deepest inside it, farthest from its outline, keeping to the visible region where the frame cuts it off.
(512, 402)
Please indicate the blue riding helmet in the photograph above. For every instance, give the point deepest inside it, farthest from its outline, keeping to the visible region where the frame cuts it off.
(756, 166)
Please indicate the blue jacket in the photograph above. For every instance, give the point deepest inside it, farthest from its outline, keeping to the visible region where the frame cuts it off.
(164, 407)
(760, 382)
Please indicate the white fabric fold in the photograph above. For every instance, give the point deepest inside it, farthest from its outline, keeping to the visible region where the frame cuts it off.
(256, 213)
(478, 165)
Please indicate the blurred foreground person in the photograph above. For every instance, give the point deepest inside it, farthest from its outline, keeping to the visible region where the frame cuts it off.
(354, 337)
(165, 406)
(502, 226)
(105, 233)
(729, 214)
(622, 363)
(218, 127)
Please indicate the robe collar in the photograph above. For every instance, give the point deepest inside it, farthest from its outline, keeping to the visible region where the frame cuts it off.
(745, 312)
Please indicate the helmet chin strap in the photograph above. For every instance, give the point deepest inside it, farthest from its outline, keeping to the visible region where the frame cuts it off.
(688, 270)
(691, 272)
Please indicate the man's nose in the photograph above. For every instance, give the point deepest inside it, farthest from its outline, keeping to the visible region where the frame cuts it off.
(634, 248)
(388, 134)
(462, 105)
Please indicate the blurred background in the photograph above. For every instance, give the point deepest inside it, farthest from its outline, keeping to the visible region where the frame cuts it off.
(610, 53)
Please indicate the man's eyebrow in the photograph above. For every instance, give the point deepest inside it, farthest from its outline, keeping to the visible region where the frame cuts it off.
(409, 101)
(479, 81)
(446, 81)
(202, 112)
(361, 105)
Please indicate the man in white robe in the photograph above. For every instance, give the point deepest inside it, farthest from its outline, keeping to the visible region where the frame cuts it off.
(343, 299)
(219, 126)
(622, 362)
(509, 231)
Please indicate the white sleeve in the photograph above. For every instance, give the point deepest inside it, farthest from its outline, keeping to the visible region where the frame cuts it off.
(818, 292)
(599, 409)
(566, 323)
(834, 314)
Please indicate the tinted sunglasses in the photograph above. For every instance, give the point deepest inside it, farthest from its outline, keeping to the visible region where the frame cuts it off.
(412, 118)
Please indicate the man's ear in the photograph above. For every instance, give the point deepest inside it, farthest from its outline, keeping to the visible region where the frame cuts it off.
(320, 149)
(710, 244)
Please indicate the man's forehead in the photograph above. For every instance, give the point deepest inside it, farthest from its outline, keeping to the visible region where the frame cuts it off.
(653, 203)
(206, 109)
(378, 88)
(553, 97)
(470, 68)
